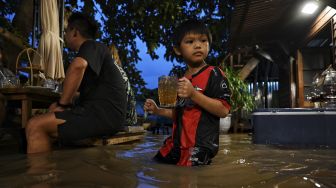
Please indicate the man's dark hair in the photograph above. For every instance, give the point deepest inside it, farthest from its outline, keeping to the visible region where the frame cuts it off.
(86, 26)
(191, 26)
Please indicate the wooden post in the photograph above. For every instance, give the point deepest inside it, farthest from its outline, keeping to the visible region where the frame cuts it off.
(292, 85)
(333, 34)
(299, 80)
(26, 110)
(231, 60)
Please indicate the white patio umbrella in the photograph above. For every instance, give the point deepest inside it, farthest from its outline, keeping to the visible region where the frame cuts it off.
(49, 46)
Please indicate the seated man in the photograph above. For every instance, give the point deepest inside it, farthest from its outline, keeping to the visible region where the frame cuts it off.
(101, 107)
(131, 115)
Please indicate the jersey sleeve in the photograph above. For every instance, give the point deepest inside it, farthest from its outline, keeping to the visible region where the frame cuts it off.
(218, 87)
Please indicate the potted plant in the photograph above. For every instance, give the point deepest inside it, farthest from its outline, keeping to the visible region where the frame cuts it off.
(241, 99)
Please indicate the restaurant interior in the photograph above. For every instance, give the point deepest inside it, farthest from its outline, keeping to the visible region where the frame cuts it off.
(286, 53)
(300, 45)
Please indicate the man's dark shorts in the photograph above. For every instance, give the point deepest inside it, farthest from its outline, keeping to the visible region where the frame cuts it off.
(80, 124)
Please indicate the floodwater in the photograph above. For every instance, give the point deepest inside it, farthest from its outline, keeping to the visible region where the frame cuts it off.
(239, 163)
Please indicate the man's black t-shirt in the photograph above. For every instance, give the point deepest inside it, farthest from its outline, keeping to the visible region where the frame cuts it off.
(101, 107)
(102, 86)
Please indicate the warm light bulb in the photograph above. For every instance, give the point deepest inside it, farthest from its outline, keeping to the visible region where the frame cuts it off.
(309, 8)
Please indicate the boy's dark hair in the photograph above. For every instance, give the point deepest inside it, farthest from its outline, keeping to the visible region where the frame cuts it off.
(86, 26)
(191, 26)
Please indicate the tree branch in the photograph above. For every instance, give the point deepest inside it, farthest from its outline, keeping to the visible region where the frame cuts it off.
(12, 38)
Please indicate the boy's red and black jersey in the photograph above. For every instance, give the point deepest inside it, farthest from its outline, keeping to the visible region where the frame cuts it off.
(196, 131)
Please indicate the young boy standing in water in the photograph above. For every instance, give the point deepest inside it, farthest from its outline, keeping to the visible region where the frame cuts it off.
(203, 97)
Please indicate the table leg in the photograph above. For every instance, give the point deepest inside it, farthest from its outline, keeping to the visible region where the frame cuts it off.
(26, 112)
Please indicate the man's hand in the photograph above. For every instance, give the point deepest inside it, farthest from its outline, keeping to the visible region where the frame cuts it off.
(54, 108)
(184, 88)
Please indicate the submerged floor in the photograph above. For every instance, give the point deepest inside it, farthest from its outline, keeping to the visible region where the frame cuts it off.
(238, 164)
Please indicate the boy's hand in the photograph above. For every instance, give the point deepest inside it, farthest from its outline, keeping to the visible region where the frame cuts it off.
(184, 88)
(150, 106)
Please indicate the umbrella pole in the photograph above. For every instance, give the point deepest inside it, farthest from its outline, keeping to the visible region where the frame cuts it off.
(61, 5)
(35, 12)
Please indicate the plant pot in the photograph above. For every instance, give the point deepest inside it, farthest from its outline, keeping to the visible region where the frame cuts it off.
(225, 124)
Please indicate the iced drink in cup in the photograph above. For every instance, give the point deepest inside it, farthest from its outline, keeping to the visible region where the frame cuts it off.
(167, 91)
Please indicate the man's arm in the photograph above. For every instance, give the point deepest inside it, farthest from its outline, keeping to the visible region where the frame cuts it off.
(73, 79)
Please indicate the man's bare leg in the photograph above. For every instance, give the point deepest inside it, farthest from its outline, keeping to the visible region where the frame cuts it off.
(39, 130)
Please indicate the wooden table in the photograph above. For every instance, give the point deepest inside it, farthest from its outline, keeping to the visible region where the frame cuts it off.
(27, 98)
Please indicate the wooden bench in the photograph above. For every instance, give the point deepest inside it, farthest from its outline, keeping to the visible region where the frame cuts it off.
(121, 137)
(128, 134)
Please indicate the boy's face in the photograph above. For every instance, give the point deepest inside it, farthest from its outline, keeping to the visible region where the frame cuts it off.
(194, 48)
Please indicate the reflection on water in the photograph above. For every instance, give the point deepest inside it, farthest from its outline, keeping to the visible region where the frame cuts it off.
(238, 164)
